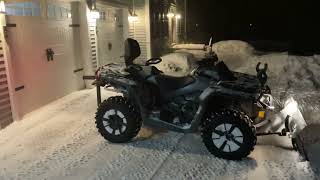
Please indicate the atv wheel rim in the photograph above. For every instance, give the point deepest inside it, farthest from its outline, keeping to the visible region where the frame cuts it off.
(114, 122)
(227, 137)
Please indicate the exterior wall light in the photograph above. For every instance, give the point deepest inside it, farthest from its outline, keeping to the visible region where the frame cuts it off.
(170, 15)
(133, 18)
(94, 14)
(2, 7)
(178, 16)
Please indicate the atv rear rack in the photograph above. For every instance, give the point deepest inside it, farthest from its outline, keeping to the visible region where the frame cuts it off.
(98, 87)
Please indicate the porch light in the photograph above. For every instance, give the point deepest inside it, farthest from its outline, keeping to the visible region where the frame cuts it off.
(170, 15)
(133, 18)
(2, 7)
(94, 14)
(178, 16)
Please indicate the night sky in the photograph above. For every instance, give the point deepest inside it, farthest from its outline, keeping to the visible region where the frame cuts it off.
(288, 23)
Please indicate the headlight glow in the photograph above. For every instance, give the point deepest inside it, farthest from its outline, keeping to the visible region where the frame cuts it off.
(291, 106)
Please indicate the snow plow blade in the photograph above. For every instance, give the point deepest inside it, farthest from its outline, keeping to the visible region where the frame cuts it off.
(288, 121)
(295, 125)
(305, 138)
(308, 145)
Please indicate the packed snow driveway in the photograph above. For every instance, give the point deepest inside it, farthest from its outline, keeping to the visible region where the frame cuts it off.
(60, 141)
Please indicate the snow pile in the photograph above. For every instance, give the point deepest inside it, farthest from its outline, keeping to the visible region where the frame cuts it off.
(177, 64)
(285, 71)
(190, 46)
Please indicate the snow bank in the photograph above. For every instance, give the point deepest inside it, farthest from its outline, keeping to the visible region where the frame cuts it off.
(285, 70)
(190, 46)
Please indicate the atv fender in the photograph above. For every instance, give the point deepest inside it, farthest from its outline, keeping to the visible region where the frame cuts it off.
(216, 92)
(203, 101)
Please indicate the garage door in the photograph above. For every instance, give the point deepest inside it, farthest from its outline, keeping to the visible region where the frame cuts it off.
(33, 35)
(110, 34)
(5, 107)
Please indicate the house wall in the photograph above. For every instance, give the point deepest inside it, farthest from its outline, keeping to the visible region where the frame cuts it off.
(6, 98)
(111, 33)
(140, 29)
(36, 81)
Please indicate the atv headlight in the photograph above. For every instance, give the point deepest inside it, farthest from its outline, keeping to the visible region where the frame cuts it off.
(291, 106)
(266, 101)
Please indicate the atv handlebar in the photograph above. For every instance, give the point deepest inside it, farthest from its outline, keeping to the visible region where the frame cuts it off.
(262, 73)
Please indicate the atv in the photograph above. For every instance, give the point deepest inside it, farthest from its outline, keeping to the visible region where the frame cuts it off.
(226, 107)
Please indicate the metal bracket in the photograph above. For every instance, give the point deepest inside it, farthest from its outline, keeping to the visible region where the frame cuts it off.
(11, 25)
(19, 88)
(78, 70)
(50, 54)
(74, 25)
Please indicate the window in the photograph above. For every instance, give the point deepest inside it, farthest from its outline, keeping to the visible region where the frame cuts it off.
(55, 11)
(50, 10)
(23, 9)
(102, 15)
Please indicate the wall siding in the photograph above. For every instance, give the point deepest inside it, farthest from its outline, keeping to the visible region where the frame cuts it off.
(139, 30)
(5, 104)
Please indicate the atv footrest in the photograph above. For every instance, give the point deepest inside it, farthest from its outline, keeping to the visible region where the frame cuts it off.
(267, 134)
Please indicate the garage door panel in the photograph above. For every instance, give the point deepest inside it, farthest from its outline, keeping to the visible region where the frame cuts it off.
(43, 80)
(110, 35)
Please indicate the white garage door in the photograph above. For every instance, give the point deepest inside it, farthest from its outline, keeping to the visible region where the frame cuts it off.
(110, 34)
(37, 78)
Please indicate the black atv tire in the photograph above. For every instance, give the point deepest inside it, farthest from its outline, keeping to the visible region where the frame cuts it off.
(237, 122)
(129, 114)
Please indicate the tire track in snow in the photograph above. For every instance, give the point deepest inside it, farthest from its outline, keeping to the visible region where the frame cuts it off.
(59, 157)
(191, 160)
(63, 152)
(165, 160)
(138, 160)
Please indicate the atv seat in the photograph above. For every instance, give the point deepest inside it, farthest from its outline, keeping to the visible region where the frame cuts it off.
(169, 83)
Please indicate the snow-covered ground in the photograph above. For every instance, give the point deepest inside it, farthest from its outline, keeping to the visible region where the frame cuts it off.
(59, 141)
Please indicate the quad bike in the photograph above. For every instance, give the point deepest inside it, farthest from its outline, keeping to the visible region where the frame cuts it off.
(229, 109)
